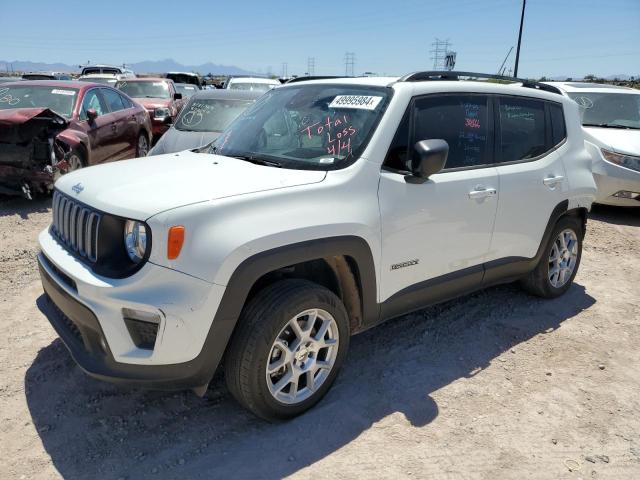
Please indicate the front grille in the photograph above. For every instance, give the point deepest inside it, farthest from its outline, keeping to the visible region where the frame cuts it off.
(69, 324)
(76, 226)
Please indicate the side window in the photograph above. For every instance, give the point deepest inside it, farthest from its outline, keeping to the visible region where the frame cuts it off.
(92, 100)
(461, 120)
(126, 102)
(522, 129)
(113, 99)
(558, 128)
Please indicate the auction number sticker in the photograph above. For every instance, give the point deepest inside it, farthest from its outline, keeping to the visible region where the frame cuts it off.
(63, 92)
(363, 102)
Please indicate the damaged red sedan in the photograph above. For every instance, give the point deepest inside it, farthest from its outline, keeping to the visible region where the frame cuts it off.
(48, 128)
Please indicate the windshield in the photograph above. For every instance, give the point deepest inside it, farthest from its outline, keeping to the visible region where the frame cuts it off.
(186, 90)
(210, 115)
(60, 100)
(307, 126)
(608, 109)
(251, 87)
(150, 89)
(105, 80)
(89, 70)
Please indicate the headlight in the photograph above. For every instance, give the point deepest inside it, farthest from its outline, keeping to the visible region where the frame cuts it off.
(161, 113)
(135, 240)
(628, 161)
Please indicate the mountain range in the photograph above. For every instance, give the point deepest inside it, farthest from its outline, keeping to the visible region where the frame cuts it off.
(147, 66)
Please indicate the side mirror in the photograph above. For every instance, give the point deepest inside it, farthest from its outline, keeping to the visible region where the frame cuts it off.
(167, 120)
(429, 157)
(92, 114)
(177, 96)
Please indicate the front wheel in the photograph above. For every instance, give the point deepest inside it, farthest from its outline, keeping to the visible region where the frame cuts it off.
(559, 264)
(142, 147)
(290, 344)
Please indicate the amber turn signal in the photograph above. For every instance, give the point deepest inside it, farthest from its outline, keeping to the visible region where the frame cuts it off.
(175, 241)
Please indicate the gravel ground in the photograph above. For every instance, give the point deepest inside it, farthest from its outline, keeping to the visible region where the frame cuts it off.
(497, 385)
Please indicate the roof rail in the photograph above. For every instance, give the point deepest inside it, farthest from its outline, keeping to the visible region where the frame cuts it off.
(453, 75)
(317, 77)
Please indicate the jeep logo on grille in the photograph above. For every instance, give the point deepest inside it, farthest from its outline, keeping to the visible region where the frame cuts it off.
(77, 188)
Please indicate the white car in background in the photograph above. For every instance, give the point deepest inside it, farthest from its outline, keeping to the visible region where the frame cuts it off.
(611, 119)
(253, 84)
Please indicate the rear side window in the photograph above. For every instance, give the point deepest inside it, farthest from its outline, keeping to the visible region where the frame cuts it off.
(113, 99)
(461, 120)
(522, 129)
(558, 128)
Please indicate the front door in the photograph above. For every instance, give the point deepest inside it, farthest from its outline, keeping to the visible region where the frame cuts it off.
(437, 233)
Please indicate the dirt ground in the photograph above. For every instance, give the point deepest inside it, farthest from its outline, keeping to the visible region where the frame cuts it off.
(497, 385)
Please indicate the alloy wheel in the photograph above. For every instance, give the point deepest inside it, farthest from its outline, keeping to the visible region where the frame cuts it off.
(563, 258)
(143, 146)
(302, 356)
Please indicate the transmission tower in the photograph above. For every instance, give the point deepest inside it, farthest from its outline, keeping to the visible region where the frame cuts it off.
(439, 53)
(349, 64)
(311, 66)
(285, 68)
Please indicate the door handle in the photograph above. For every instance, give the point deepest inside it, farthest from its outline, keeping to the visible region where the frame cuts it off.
(482, 192)
(553, 181)
(114, 127)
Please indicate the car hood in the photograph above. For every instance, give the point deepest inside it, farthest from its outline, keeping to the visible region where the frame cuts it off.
(143, 187)
(19, 125)
(153, 103)
(618, 140)
(175, 140)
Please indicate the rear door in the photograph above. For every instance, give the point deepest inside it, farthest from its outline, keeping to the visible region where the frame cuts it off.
(529, 144)
(437, 233)
(122, 137)
(99, 129)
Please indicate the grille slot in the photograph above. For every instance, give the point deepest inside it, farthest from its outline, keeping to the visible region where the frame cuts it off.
(76, 226)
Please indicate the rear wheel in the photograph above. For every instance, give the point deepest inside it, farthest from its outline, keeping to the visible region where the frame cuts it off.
(142, 147)
(559, 263)
(290, 344)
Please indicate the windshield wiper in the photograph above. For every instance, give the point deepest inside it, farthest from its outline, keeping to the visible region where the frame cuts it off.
(610, 125)
(255, 160)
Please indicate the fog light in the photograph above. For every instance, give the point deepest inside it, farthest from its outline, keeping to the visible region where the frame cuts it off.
(142, 327)
(627, 194)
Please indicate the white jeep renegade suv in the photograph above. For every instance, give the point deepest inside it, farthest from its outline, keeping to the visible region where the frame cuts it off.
(327, 207)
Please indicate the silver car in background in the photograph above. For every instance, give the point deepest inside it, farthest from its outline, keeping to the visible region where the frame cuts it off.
(203, 119)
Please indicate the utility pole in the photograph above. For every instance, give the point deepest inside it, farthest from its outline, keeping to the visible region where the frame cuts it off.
(515, 68)
(311, 66)
(349, 64)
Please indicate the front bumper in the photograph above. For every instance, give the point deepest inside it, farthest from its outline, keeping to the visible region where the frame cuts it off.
(615, 181)
(86, 312)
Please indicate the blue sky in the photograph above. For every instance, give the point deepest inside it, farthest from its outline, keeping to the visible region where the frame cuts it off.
(561, 37)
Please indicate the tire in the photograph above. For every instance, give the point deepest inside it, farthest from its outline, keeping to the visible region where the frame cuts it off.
(264, 333)
(76, 160)
(540, 281)
(142, 145)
